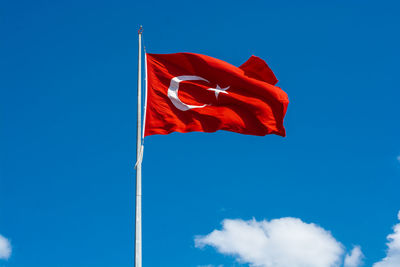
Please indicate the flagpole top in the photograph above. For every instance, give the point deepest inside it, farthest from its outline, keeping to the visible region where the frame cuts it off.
(140, 31)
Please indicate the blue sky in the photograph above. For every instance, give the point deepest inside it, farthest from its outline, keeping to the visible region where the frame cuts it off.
(68, 108)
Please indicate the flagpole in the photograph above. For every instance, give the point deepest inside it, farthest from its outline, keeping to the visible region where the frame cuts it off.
(138, 210)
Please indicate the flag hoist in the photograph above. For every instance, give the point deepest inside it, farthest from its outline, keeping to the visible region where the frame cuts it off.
(241, 99)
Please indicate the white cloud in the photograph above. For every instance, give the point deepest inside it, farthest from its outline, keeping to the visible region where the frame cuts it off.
(392, 258)
(5, 248)
(354, 259)
(285, 242)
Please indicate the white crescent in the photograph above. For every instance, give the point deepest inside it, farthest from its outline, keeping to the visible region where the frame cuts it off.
(174, 88)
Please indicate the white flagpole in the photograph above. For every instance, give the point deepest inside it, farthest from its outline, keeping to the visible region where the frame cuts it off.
(138, 211)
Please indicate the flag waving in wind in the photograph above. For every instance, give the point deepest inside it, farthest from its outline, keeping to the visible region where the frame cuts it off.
(191, 92)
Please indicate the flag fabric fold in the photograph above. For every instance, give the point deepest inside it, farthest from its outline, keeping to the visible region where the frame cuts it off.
(189, 92)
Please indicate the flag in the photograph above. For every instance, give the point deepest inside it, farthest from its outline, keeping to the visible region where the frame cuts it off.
(189, 92)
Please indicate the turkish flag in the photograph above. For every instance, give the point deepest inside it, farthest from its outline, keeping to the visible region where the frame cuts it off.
(191, 92)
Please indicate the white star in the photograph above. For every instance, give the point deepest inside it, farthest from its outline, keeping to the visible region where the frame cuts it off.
(219, 90)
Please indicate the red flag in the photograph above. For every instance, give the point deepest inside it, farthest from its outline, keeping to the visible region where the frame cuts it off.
(192, 92)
